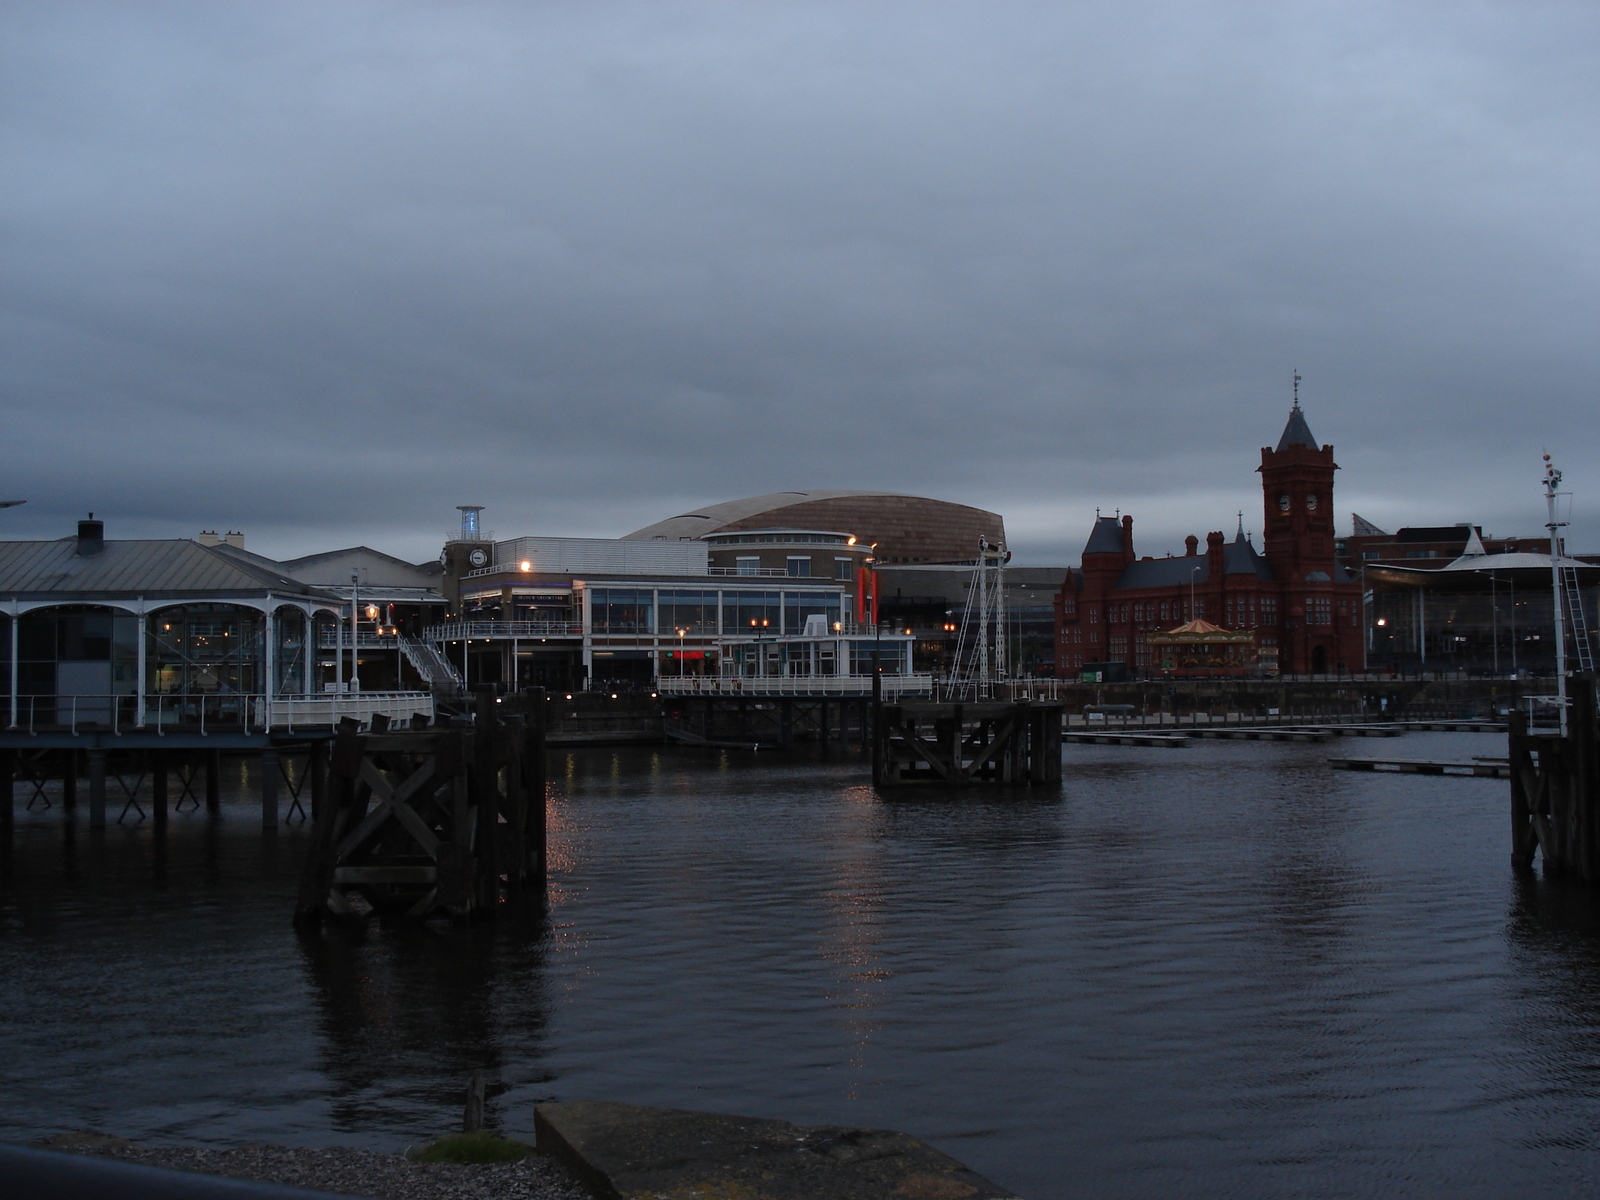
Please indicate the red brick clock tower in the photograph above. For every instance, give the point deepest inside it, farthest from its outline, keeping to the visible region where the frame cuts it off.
(1320, 610)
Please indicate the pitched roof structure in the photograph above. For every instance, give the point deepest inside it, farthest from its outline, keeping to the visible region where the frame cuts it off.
(1105, 537)
(1361, 527)
(153, 569)
(1296, 432)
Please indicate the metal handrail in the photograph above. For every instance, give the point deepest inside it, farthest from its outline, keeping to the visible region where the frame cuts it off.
(790, 685)
(451, 631)
(246, 711)
(328, 639)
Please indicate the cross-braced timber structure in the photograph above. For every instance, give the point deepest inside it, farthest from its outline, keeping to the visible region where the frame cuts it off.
(1555, 788)
(960, 744)
(430, 822)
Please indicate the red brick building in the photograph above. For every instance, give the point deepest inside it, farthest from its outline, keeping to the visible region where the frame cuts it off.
(1304, 608)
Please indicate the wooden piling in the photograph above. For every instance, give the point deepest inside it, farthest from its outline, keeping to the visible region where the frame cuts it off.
(213, 768)
(97, 788)
(8, 792)
(158, 787)
(1555, 789)
(69, 781)
(269, 789)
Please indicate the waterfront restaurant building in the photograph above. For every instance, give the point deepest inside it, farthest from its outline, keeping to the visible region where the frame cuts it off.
(1302, 606)
(97, 631)
(597, 612)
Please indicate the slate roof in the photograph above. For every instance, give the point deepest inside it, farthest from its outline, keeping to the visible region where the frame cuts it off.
(1165, 572)
(126, 569)
(1296, 432)
(1106, 537)
(1239, 557)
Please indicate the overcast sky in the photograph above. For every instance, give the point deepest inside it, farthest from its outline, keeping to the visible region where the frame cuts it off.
(321, 272)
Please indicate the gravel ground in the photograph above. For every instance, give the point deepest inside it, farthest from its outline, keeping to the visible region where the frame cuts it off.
(345, 1171)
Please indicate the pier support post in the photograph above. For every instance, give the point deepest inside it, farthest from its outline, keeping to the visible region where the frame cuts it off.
(97, 788)
(213, 766)
(269, 789)
(69, 781)
(158, 787)
(8, 791)
(317, 777)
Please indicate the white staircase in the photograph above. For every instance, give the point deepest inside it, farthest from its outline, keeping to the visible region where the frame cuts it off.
(430, 664)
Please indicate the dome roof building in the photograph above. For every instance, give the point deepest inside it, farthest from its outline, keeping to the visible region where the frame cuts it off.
(906, 529)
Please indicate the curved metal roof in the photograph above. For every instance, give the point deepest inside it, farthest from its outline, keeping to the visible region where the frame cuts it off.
(700, 521)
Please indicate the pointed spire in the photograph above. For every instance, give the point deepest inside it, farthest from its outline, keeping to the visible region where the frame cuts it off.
(1296, 432)
(1474, 547)
(1239, 536)
(1105, 537)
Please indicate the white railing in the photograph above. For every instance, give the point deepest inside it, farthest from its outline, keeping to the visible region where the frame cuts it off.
(455, 631)
(204, 712)
(327, 640)
(792, 685)
(758, 572)
(329, 708)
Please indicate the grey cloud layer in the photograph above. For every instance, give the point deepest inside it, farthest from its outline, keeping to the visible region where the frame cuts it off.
(324, 271)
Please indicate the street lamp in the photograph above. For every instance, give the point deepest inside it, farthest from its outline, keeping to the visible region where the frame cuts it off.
(680, 632)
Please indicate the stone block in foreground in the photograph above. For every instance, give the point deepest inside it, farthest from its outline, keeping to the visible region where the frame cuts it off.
(630, 1152)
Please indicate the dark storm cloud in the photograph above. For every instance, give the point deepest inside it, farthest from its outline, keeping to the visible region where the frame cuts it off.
(322, 272)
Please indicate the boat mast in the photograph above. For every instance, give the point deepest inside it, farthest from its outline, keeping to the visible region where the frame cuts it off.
(1552, 484)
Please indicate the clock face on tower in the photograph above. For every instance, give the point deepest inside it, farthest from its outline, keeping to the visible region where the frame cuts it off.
(478, 558)
(1311, 502)
(1283, 502)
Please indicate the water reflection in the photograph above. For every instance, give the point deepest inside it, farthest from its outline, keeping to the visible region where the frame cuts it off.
(406, 1013)
(1226, 969)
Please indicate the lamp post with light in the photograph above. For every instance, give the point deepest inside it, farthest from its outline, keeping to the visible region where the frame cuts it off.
(680, 631)
(756, 629)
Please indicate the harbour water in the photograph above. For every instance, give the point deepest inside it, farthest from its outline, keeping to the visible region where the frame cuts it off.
(1226, 970)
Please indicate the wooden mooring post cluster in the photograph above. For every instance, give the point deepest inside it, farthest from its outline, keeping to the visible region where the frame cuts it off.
(1555, 789)
(430, 822)
(928, 742)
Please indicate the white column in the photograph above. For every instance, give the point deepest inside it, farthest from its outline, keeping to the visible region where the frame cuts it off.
(142, 664)
(586, 615)
(269, 653)
(16, 619)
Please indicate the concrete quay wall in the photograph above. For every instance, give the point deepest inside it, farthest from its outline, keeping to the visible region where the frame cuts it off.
(1459, 698)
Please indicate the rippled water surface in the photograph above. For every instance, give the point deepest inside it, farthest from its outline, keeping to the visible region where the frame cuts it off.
(1226, 970)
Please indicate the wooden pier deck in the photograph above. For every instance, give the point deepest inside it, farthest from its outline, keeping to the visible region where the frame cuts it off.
(1408, 766)
(1109, 738)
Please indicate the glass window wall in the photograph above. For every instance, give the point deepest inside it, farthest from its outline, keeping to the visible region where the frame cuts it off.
(744, 611)
(693, 611)
(622, 610)
(797, 606)
(205, 648)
